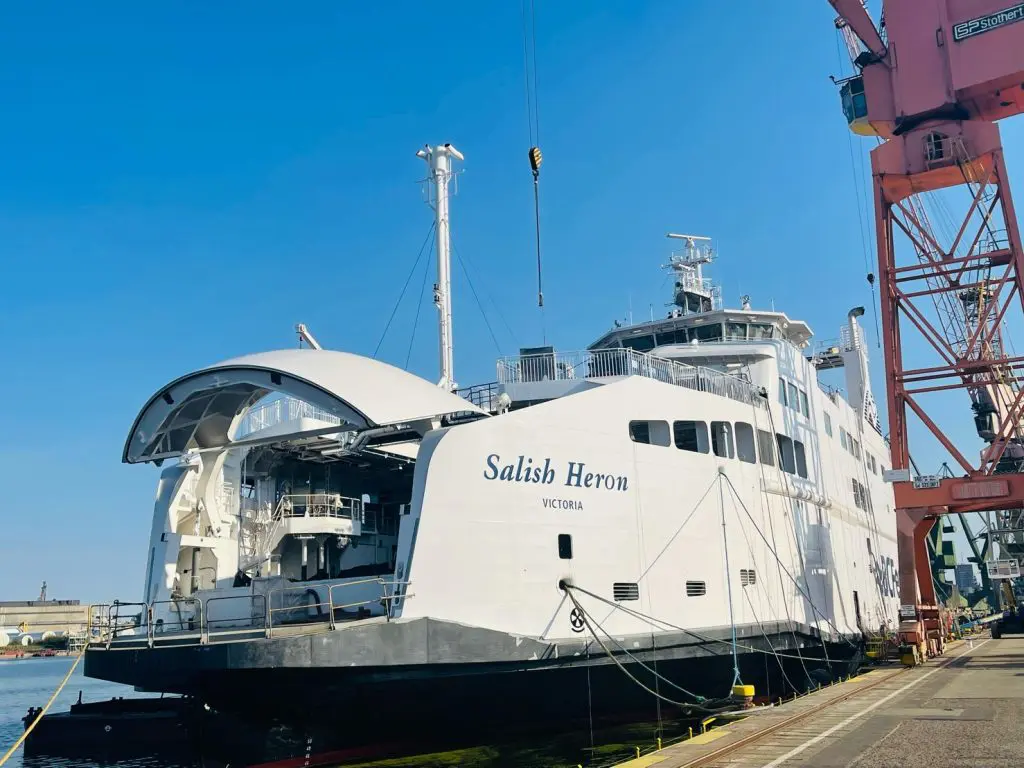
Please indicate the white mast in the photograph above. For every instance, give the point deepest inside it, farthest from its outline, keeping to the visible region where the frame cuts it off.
(439, 165)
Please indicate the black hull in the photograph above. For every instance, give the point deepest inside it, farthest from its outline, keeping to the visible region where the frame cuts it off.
(267, 711)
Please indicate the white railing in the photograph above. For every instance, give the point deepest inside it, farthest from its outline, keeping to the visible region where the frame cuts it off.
(281, 410)
(318, 505)
(564, 366)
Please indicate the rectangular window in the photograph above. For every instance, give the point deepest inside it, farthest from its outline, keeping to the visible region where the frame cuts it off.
(842, 437)
(650, 432)
(794, 398)
(691, 436)
(696, 588)
(801, 458)
(828, 424)
(766, 447)
(787, 458)
(804, 407)
(624, 591)
(782, 391)
(856, 447)
(745, 443)
(858, 502)
(721, 439)
(639, 432)
(565, 546)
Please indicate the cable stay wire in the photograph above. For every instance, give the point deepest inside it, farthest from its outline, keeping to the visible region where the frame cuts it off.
(481, 277)
(419, 307)
(664, 625)
(401, 295)
(476, 297)
(614, 658)
(796, 583)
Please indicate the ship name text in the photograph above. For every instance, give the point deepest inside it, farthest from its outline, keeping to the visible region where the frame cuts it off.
(576, 475)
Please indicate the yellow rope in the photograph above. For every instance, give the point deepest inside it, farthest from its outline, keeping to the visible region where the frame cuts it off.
(43, 711)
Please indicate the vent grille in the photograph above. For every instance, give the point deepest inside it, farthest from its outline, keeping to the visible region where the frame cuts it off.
(747, 577)
(696, 588)
(623, 591)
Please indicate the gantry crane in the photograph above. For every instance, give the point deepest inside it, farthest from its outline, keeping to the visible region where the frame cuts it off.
(931, 84)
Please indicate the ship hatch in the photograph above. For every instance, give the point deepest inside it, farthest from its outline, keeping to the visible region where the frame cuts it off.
(203, 409)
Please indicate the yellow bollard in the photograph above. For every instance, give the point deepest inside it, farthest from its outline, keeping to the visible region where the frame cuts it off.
(637, 752)
(690, 729)
(659, 743)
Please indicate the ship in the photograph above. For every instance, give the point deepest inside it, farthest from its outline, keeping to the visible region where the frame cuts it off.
(680, 509)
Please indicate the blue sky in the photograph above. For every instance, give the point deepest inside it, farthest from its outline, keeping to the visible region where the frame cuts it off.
(183, 183)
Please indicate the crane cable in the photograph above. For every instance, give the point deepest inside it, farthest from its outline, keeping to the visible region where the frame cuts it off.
(43, 711)
(401, 295)
(533, 125)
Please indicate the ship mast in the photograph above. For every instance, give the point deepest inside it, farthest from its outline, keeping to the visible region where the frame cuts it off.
(439, 174)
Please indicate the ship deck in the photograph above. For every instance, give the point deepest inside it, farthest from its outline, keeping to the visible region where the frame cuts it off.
(961, 709)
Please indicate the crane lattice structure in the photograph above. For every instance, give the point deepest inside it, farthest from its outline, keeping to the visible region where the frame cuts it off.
(931, 84)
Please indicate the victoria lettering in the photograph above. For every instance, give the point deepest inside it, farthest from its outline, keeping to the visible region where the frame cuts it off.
(576, 475)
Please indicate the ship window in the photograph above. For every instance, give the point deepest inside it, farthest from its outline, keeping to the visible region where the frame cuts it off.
(856, 495)
(623, 591)
(856, 447)
(565, 546)
(747, 577)
(801, 458)
(782, 391)
(745, 443)
(760, 330)
(649, 432)
(721, 439)
(842, 437)
(736, 331)
(639, 343)
(678, 336)
(787, 460)
(804, 409)
(696, 588)
(766, 447)
(828, 424)
(712, 332)
(691, 436)
(794, 398)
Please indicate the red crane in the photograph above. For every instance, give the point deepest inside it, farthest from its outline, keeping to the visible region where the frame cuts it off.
(932, 83)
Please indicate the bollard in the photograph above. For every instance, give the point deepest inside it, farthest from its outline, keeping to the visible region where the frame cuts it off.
(690, 729)
(659, 743)
(637, 752)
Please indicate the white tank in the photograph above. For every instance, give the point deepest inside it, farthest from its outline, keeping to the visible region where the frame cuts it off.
(5, 639)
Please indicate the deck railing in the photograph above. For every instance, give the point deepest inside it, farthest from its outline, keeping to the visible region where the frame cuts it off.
(585, 364)
(280, 410)
(259, 616)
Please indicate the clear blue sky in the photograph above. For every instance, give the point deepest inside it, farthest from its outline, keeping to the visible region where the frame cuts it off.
(182, 183)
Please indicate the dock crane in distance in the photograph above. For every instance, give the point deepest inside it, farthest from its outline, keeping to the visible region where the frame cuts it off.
(931, 84)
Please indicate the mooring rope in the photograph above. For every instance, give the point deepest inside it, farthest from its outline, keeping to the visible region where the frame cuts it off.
(43, 711)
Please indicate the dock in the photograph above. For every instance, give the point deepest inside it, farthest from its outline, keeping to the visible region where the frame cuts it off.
(961, 709)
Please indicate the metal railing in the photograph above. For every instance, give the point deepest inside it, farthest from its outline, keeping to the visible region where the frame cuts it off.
(281, 410)
(483, 396)
(567, 366)
(265, 612)
(319, 505)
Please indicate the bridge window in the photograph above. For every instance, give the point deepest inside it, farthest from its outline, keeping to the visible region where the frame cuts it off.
(639, 343)
(828, 424)
(745, 443)
(678, 336)
(712, 332)
(623, 591)
(691, 436)
(787, 458)
(794, 397)
(736, 331)
(804, 408)
(721, 439)
(696, 588)
(782, 392)
(649, 432)
(842, 438)
(766, 447)
(760, 331)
